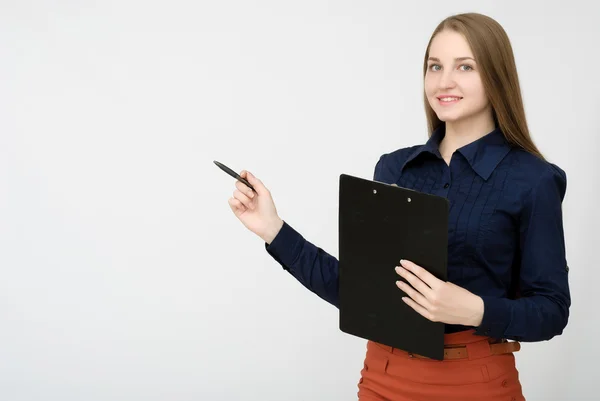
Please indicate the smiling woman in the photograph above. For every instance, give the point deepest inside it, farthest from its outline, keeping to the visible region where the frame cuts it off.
(507, 270)
(469, 63)
(453, 86)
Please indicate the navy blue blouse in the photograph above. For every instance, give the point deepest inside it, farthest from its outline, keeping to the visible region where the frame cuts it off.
(505, 236)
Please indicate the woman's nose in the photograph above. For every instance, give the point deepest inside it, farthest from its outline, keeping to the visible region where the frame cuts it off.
(447, 80)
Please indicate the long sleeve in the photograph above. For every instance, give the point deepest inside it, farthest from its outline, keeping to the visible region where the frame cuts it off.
(316, 269)
(542, 310)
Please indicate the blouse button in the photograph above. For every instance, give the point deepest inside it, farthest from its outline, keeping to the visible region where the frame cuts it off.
(446, 185)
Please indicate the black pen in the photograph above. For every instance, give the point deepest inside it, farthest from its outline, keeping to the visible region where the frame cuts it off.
(234, 174)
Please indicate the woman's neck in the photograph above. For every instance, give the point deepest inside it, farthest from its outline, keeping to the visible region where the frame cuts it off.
(461, 133)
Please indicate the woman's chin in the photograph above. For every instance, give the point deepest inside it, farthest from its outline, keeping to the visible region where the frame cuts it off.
(448, 118)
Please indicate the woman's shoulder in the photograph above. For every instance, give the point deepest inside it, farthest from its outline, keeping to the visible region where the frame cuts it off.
(389, 165)
(538, 174)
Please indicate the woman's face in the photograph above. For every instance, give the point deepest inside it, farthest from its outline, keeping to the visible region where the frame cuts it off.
(452, 82)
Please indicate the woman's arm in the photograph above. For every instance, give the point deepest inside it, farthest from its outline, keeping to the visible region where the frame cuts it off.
(542, 311)
(316, 269)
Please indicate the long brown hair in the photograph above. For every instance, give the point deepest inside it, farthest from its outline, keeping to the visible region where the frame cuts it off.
(492, 50)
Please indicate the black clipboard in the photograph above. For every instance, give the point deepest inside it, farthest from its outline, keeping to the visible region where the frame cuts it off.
(379, 224)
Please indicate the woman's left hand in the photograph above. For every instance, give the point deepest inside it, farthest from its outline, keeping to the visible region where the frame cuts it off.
(437, 300)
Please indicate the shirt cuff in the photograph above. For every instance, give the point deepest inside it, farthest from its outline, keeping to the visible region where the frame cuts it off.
(496, 317)
(286, 246)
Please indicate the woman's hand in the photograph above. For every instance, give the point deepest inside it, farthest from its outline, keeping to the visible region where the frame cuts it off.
(256, 210)
(437, 300)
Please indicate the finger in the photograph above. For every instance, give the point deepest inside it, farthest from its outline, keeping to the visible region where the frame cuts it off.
(236, 206)
(415, 281)
(414, 294)
(255, 182)
(237, 194)
(244, 189)
(421, 273)
(418, 308)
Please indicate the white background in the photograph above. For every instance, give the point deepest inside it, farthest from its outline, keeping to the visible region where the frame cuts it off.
(123, 273)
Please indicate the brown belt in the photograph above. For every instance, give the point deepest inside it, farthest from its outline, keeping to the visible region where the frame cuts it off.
(460, 351)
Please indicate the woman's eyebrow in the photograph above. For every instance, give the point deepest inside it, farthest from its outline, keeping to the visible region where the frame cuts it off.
(456, 59)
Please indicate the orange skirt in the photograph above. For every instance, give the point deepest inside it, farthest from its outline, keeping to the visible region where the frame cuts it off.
(395, 375)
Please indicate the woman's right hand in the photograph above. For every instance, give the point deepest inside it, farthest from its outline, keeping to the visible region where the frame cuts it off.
(256, 210)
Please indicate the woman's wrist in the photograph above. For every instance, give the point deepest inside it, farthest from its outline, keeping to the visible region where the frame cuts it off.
(476, 316)
(272, 230)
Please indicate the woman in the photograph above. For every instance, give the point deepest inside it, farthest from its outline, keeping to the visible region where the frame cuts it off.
(507, 272)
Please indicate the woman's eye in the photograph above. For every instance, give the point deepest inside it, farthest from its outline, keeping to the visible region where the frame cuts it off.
(466, 67)
(434, 67)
